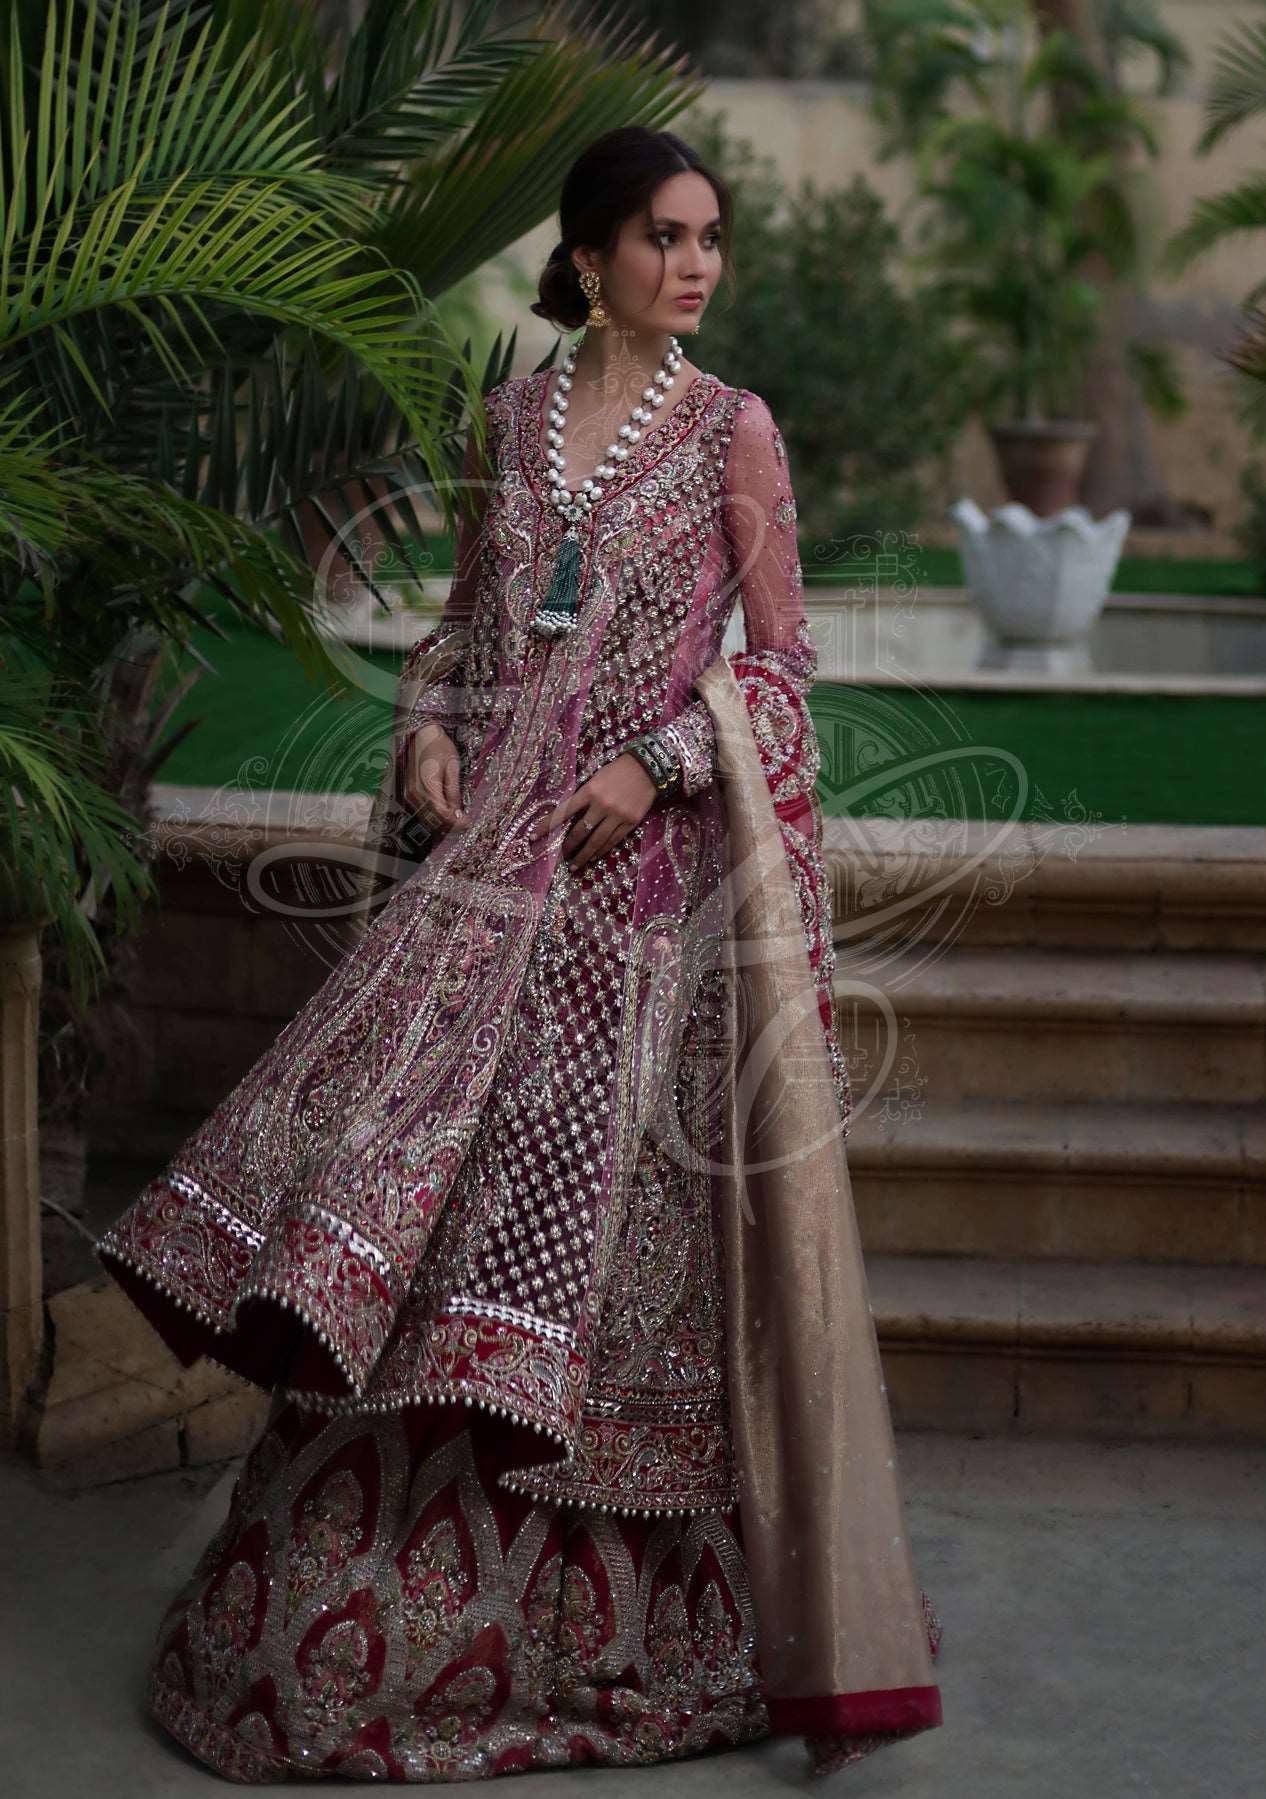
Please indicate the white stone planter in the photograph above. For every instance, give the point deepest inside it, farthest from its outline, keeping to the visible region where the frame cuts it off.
(1039, 582)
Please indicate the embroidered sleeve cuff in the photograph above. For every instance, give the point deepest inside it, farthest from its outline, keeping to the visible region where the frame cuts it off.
(691, 739)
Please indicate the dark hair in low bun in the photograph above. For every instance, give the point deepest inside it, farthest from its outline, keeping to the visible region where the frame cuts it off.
(561, 297)
(609, 182)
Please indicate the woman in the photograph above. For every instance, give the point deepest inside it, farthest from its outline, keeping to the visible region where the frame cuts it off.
(536, 1219)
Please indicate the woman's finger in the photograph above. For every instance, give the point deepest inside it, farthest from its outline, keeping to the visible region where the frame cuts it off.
(575, 836)
(420, 804)
(434, 787)
(596, 841)
(574, 805)
(453, 784)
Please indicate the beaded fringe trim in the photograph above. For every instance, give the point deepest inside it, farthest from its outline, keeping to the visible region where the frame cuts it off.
(598, 1505)
(262, 1291)
(357, 1405)
(320, 1402)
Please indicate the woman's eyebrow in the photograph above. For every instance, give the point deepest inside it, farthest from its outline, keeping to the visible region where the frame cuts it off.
(681, 225)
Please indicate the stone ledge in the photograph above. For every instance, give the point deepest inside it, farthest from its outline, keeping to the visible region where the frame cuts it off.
(1114, 1310)
(1109, 1182)
(1144, 865)
(232, 822)
(1203, 1142)
(999, 884)
(1138, 863)
(118, 1403)
(1072, 1348)
(1059, 987)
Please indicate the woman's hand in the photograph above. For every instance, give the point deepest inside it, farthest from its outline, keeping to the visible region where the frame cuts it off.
(432, 777)
(604, 808)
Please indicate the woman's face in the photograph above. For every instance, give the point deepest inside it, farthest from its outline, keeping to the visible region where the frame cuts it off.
(644, 290)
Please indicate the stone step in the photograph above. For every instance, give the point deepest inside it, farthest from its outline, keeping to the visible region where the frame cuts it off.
(1057, 1025)
(1076, 1348)
(1113, 1182)
(1060, 883)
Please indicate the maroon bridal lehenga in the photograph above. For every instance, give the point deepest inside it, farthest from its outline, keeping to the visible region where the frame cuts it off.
(536, 1219)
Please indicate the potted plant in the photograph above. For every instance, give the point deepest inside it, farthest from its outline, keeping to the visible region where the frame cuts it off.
(1027, 216)
(1027, 213)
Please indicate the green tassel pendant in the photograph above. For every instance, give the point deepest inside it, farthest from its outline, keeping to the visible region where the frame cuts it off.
(556, 613)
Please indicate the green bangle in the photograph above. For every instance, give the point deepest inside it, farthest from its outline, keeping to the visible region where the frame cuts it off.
(660, 764)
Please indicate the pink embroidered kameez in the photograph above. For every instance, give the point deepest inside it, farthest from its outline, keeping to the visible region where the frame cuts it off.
(536, 1221)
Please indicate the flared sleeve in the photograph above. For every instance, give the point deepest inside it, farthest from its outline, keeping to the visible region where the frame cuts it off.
(778, 664)
(775, 671)
(433, 683)
(433, 676)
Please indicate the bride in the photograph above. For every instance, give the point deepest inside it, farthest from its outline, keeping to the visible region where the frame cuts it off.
(536, 1221)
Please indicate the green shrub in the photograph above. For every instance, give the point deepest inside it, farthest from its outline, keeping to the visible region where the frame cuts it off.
(864, 378)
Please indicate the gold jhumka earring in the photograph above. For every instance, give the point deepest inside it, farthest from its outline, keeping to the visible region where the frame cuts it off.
(592, 287)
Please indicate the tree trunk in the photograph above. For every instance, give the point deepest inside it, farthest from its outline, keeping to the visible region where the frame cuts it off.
(1122, 468)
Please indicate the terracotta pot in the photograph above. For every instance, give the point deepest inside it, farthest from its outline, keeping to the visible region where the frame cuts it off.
(1042, 464)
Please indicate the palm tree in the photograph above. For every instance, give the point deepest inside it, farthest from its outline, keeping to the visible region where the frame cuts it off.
(226, 232)
(1126, 375)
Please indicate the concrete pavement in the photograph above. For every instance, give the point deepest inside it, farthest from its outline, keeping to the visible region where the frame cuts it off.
(1103, 1612)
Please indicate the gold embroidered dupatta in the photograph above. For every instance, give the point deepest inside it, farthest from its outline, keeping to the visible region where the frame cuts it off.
(842, 1639)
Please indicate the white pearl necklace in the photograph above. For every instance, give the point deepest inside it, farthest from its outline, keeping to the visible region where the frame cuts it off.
(577, 505)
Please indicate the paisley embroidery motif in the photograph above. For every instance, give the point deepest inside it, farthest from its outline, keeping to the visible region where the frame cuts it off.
(446, 1176)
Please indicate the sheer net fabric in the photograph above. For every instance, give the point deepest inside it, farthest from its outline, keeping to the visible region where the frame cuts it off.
(778, 665)
(775, 671)
(444, 702)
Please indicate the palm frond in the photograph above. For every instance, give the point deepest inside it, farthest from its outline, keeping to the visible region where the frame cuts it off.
(412, 73)
(57, 817)
(192, 246)
(1247, 363)
(153, 95)
(1242, 209)
(476, 196)
(220, 248)
(1062, 58)
(1237, 86)
(1156, 371)
(36, 499)
(1130, 26)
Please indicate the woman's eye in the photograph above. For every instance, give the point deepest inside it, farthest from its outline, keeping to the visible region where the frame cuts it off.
(710, 243)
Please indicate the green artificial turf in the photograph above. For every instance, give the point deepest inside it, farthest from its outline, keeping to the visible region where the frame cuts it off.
(261, 723)
(1067, 758)
(886, 751)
